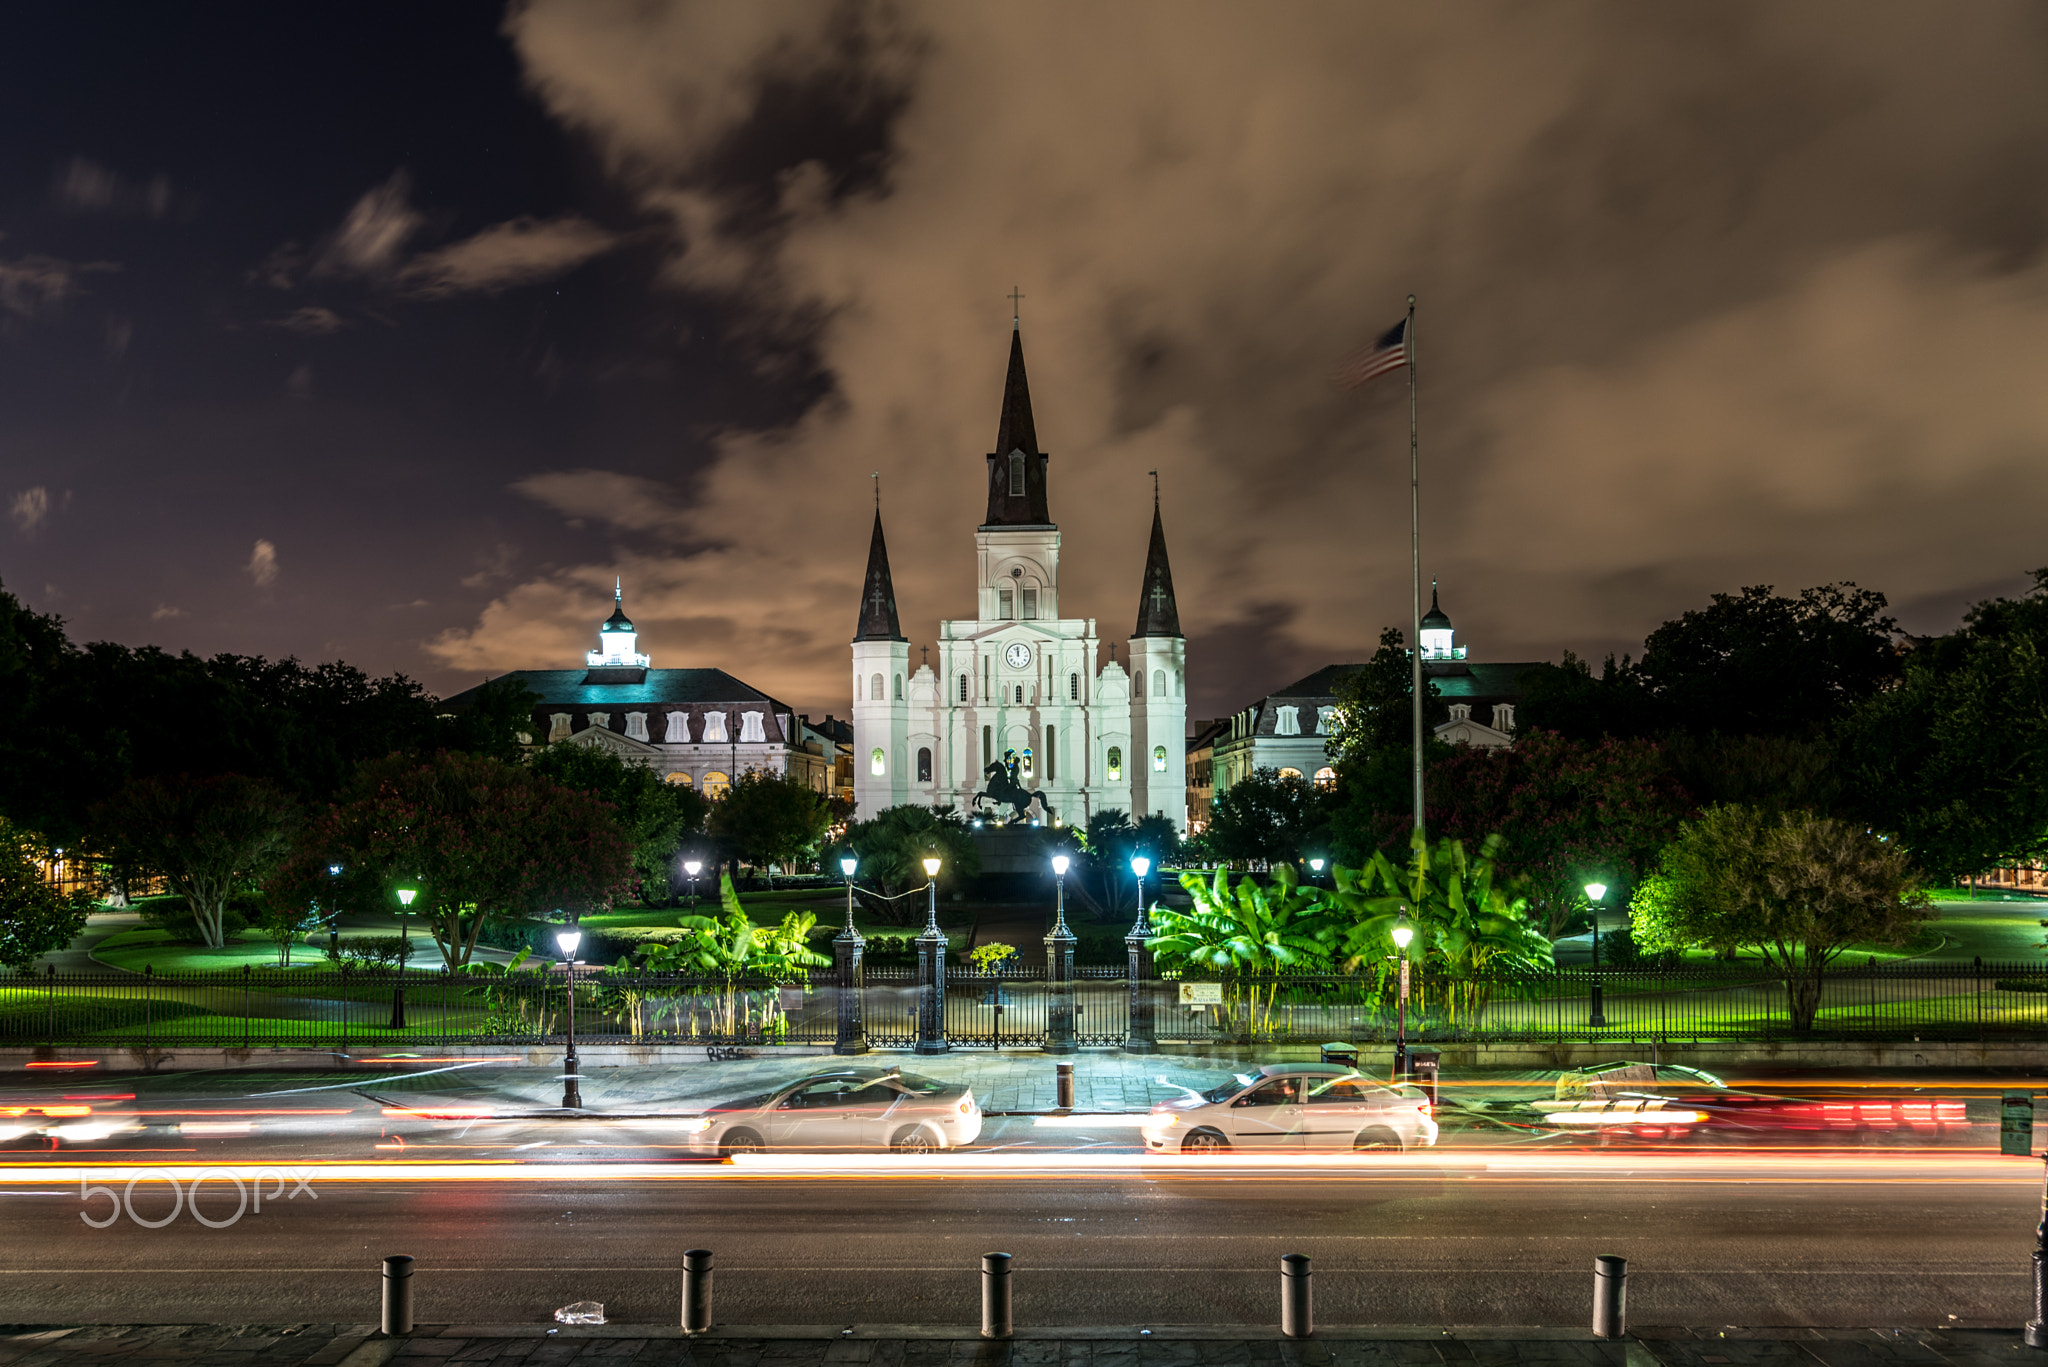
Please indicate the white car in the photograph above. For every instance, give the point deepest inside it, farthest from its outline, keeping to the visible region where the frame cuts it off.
(1291, 1108)
(847, 1108)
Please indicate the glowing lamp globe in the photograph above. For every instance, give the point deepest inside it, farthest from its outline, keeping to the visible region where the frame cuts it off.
(1403, 933)
(1059, 865)
(848, 864)
(1140, 865)
(405, 896)
(568, 940)
(692, 867)
(931, 867)
(1596, 891)
(1316, 864)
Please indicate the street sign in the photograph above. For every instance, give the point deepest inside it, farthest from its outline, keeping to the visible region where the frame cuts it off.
(790, 998)
(2016, 1124)
(1198, 995)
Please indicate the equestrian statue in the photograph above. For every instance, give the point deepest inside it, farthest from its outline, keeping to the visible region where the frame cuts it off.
(1004, 787)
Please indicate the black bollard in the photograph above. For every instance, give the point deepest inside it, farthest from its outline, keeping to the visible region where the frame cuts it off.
(1063, 1074)
(1610, 1296)
(995, 1295)
(397, 1295)
(696, 1290)
(1297, 1300)
(2037, 1327)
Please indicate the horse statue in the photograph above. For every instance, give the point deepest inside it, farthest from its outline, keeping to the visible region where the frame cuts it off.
(1004, 787)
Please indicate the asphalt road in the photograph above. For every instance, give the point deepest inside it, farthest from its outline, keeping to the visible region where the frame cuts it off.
(1798, 1239)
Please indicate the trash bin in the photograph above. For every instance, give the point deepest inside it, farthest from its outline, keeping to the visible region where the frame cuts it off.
(1422, 1070)
(1344, 1055)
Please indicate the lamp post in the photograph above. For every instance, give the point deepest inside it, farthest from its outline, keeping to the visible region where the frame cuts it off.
(405, 896)
(1315, 868)
(1138, 1034)
(931, 969)
(847, 949)
(693, 867)
(1403, 933)
(1059, 969)
(572, 1085)
(1594, 892)
(333, 913)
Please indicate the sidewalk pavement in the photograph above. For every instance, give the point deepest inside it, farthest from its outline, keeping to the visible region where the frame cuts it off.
(1021, 1082)
(620, 1345)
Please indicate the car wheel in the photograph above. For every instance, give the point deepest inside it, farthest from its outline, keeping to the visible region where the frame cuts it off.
(741, 1141)
(914, 1139)
(1378, 1139)
(1205, 1141)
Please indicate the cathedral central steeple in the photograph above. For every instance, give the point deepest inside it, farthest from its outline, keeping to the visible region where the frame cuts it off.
(1016, 468)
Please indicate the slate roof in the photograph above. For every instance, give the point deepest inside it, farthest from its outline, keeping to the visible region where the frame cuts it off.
(567, 688)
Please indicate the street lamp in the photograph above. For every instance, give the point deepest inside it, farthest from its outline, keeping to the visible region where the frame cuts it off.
(847, 864)
(405, 896)
(1594, 892)
(1059, 875)
(1140, 865)
(692, 867)
(1403, 934)
(333, 913)
(931, 888)
(1315, 867)
(931, 969)
(572, 1086)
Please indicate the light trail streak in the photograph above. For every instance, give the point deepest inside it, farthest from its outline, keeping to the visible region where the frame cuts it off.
(1530, 1169)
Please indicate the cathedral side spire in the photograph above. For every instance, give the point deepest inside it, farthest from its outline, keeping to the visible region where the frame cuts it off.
(1016, 468)
(1158, 614)
(878, 593)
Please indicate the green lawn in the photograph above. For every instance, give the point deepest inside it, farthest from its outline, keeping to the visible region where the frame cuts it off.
(166, 953)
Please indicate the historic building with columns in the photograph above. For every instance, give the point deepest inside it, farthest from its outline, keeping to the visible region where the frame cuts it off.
(1018, 683)
(698, 727)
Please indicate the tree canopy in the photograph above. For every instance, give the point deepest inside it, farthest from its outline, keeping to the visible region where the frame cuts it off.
(767, 819)
(35, 917)
(654, 817)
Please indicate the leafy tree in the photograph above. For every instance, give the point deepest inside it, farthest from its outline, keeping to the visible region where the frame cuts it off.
(1100, 878)
(1956, 759)
(1246, 932)
(478, 838)
(1268, 818)
(209, 838)
(770, 819)
(731, 947)
(1797, 888)
(1564, 812)
(1374, 714)
(654, 817)
(891, 849)
(35, 918)
(1567, 698)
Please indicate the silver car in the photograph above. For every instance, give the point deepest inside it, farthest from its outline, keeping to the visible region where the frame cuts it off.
(1291, 1108)
(847, 1108)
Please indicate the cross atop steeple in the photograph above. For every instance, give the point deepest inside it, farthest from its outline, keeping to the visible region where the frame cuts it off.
(1016, 320)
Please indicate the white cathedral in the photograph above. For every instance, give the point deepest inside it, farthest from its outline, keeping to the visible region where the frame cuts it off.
(1017, 683)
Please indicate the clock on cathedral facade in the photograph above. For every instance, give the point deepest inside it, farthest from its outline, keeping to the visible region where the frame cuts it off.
(1017, 681)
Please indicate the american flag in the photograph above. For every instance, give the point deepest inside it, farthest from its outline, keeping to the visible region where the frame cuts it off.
(1390, 352)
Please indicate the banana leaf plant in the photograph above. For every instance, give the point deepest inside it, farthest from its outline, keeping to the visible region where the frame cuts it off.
(1470, 933)
(1247, 935)
(730, 948)
(515, 999)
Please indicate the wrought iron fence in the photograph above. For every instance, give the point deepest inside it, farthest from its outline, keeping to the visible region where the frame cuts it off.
(322, 1008)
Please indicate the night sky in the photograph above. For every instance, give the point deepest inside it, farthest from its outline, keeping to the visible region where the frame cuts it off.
(394, 332)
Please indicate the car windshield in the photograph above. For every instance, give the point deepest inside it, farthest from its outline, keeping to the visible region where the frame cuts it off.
(1237, 1083)
(916, 1086)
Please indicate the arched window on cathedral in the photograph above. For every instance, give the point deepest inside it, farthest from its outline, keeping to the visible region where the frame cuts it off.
(877, 764)
(1115, 766)
(875, 688)
(899, 688)
(1158, 683)
(1016, 474)
(963, 688)
(1074, 687)
(924, 764)
(1020, 695)
(1158, 759)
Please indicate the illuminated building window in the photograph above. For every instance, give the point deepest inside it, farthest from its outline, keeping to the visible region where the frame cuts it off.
(1290, 772)
(714, 731)
(924, 764)
(1158, 759)
(715, 784)
(636, 726)
(678, 728)
(1325, 718)
(680, 779)
(751, 729)
(1326, 778)
(877, 765)
(1116, 764)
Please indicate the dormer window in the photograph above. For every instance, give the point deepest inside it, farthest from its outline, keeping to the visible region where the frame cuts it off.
(1287, 721)
(714, 728)
(1461, 711)
(1503, 716)
(1016, 474)
(1325, 716)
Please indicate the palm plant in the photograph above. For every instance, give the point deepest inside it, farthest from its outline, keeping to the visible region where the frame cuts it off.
(1466, 927)
(1246, 934)
(731, 948)
(514, 1001)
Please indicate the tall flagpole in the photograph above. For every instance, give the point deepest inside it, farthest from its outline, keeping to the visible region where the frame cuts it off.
(1415, 564)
